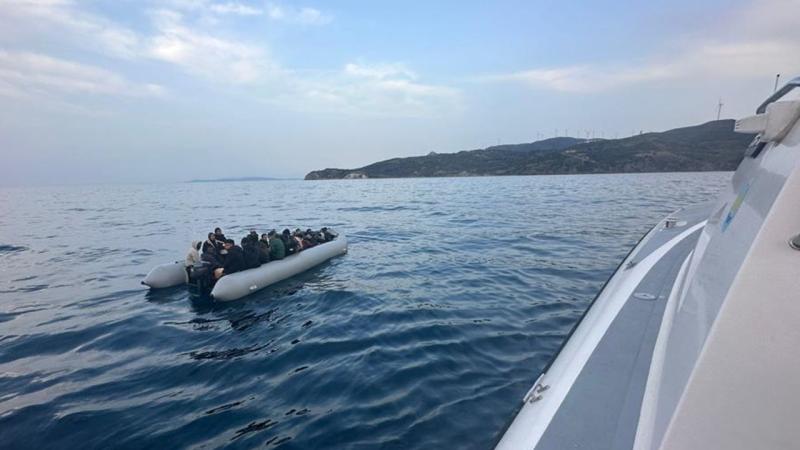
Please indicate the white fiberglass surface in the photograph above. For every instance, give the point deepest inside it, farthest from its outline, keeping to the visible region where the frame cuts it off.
(723, 247)
(532, 421)
(744, 389)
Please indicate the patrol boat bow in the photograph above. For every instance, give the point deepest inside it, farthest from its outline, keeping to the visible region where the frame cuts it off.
(691, 343)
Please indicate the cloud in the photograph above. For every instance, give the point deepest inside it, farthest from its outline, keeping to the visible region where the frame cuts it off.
(379, 71)
(196, 51)
(583, 78)
(235, 8)
(706, 60)
(209, 7)
(374, 90)
(203, 54)
(765, 42)
(64, 20)
(311, 16)
(273, 11)
(302, 16)
(29, 75)
(181, 37)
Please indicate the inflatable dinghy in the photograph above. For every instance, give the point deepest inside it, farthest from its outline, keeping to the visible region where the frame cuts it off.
(237, 285)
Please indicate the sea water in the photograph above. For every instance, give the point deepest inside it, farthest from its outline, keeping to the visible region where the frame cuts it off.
(454, 294)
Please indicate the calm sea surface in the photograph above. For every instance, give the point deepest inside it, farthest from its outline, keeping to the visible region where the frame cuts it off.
(454, 294)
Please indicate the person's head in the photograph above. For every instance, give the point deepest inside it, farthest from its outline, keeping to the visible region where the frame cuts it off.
(228, 244)
(271, 233)
(264, 236)
(218, 230)
(286, 232)
(245, 241)
(253, 233)
(211, 236)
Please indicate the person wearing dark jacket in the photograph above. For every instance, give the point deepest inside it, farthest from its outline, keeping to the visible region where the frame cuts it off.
(250, 250)
(289, 243)
(211, 252)
(234, 260)
(212, 259)
(263, 249)
(210, 245)
(219, 238)
(276, 248)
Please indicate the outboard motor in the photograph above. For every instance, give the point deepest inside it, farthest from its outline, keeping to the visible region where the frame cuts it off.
(201, 279)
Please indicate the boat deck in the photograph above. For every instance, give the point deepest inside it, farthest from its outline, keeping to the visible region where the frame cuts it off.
(601, 408)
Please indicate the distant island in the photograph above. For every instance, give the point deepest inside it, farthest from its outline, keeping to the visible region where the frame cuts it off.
(222, 180)
(712, 146)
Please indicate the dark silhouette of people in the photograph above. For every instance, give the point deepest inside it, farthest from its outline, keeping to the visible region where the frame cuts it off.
(234, 260)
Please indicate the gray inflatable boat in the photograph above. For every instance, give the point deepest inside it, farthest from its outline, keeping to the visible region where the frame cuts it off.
(237, 285)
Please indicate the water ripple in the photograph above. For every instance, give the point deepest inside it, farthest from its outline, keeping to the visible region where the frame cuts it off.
(453, 295)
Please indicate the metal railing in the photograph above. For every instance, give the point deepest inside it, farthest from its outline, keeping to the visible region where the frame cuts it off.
(793, 83)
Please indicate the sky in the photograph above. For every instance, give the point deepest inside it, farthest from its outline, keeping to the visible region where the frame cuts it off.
(129, 91)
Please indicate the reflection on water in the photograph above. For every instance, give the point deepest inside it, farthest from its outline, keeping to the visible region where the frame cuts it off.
(454, 293)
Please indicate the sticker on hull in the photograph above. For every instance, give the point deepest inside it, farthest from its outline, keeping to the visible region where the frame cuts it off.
(735, 207)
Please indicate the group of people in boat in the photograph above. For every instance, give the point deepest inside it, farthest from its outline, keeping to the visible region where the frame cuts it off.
(224, 257)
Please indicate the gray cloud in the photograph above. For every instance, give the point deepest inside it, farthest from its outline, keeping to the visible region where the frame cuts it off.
(766, 39)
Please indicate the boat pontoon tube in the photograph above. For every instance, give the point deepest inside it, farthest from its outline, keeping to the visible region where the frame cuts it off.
(167, 275)
(239, 284)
